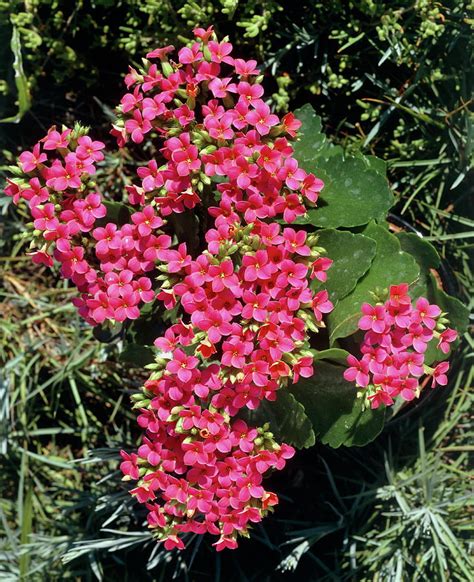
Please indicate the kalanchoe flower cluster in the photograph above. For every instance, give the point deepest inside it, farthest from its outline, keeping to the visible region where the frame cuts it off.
(397, 334)
(246, 300)
(244, 296)
(108, 264)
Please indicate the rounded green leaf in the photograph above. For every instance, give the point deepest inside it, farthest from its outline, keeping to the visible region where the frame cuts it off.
(458, 313)
(330, 354)
(390, 266)
(288, 420)
(137, 355)
(424, 254)
(352, 255)
(333, 407)
(356, 189)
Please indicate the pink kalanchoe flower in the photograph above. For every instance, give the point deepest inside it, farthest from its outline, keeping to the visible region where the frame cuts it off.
(90, 149)
(41, 258)
(257, 267)
(399, 295)
(291, 124)
(261, 118)
(319, 268)
(29, 161)
(182, 365)
(246, 68)
(219, 51)
(426, 313)
(439, 376)
(321, 305)
(160, 53)
(295, 242)
(146, 220)
(358, 371)
(447, 337)
(204, 34)
(245, 298)
(189, 55)
(303, 367)
(55, 140)
(374, 318)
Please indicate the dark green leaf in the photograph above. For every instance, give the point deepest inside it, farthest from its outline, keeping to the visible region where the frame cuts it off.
(117, 212)
(137, 355)
(312, 143)
(107, 333)
(390, 266)
(458, 313)
(356, 188)
(425, 255)
(288, 420)
(330, 354)
(334, 409)
(352, 255)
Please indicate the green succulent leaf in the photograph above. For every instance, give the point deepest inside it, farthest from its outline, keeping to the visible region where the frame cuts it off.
(352, 255)
(336, 413)
(458, 313)
(117, 212)
(288, 420)
(390, 266)
(425, 255)
(356, 188)
(330, 354)
(137, 355)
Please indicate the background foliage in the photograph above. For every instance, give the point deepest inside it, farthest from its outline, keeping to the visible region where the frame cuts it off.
(388, 78)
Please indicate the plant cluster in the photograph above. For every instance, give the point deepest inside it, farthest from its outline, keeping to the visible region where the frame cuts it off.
(244, 305)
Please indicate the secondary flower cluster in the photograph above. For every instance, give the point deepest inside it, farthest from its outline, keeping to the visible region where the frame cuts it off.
(246, 301)
(108, 263)
(397, 335)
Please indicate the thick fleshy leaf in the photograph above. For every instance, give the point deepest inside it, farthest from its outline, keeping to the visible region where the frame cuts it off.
(312, 143)
(390, 266)
(137, 355)
(425, 255)
(334, 409)
(356, 189)
(117, 212)
(352, 255)
(330, 354)
(458, 313)
(288, 420)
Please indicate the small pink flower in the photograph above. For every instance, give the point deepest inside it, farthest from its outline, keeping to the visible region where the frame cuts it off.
(439, 376)
(55, 140)
(261, 118)
(29, 161)
(90, 149)
(182, 365)
(446, 337)
(321, 305)
(374, 318)
(189, 55)
(245, 68)
(319, 268)
(358, 371)
(426, 313)
(146, 220)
